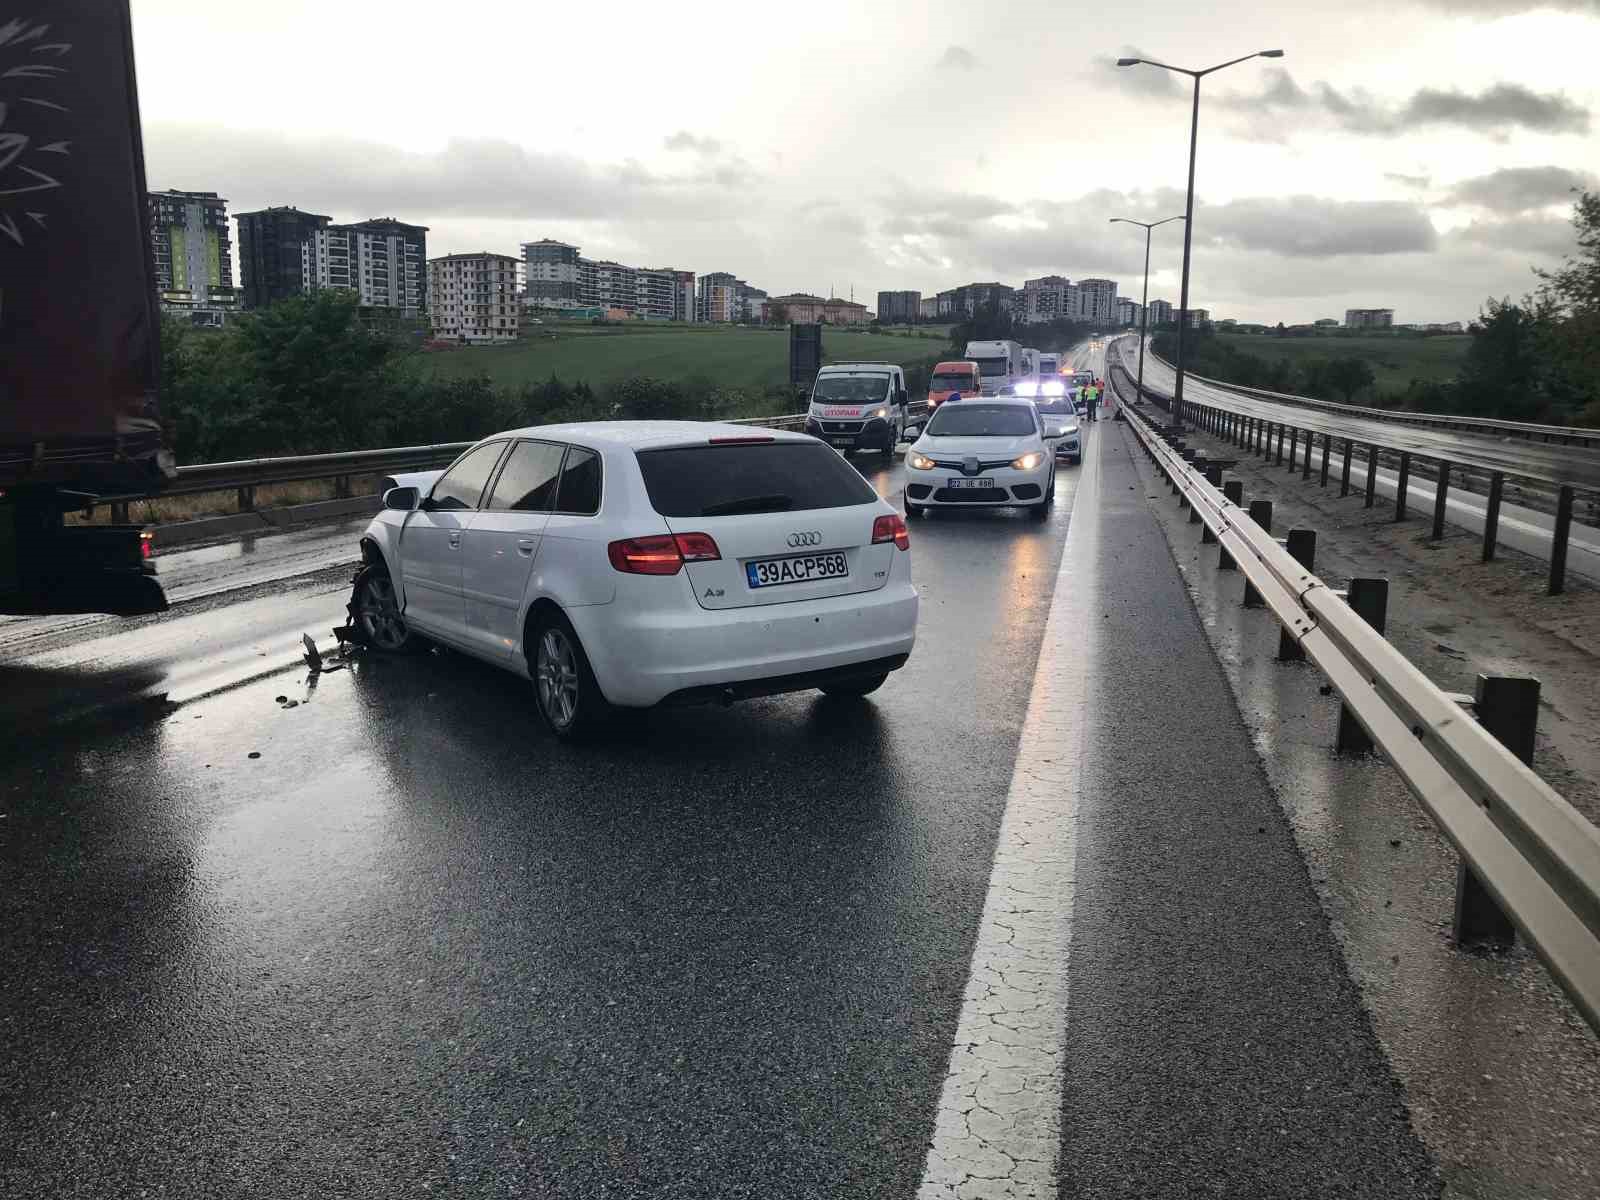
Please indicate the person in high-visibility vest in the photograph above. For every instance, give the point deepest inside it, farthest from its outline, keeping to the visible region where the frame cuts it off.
(1091, 396)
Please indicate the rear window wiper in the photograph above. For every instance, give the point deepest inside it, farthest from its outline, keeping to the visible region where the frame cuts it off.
(748, 504)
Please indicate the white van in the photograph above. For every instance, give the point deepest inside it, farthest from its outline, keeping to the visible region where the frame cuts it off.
(859, 406)
(999, 364)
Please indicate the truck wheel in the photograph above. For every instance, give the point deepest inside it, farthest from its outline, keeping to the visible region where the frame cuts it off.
(375, 613)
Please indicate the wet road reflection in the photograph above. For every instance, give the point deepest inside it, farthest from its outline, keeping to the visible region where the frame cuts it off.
(416, 941)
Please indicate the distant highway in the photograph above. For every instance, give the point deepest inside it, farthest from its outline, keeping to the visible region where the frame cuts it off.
(1520, 528)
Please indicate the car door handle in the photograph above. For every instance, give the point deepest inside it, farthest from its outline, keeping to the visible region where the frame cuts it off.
(455, 540)
(525, 546)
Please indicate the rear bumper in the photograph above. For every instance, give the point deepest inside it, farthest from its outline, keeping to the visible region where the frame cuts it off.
(644, 654)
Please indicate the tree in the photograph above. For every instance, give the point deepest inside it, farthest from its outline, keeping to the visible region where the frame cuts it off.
(1349, 375)
(777, 314)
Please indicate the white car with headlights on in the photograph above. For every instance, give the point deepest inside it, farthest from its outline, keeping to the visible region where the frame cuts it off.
(982, 453)
(1056, 404)
(624, 564)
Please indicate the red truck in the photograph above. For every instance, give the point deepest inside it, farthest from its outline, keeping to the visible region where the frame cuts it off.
(79, 324)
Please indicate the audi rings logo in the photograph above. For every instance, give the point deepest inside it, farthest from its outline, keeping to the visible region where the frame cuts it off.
(806, 537)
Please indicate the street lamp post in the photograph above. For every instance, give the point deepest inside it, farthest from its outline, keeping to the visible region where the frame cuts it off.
(1188, 224)
(1144, 307)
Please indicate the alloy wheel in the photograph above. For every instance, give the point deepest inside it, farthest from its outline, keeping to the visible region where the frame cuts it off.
(380, 616)
(556, 674)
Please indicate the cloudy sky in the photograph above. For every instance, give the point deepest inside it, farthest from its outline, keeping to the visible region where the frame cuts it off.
(1414, 154)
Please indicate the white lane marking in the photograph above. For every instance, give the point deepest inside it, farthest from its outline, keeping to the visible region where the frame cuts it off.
(998, 1130)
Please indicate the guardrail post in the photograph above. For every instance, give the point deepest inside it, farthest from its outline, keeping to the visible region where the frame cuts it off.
(1558, 542)
(1294, 440)
(1372, 475)
(1440, 500)
(1344, 475)
(1302, 547)
(1261, 514)
(1278, 462)
(1311, 441)
(247, 499)
(1369, 600)
(119, 512)
(1327, 450)
(1233, 492)
(341, 487)
(1509, 709)
(1400, 486)
(1214, 478)
(1491, 514)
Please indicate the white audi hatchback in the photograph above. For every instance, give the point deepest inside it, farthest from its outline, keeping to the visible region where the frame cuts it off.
(624, 564)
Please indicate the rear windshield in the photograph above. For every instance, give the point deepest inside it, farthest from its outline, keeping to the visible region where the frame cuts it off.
(992, 367)
(719, 481)
(954, 381)
(981, 420)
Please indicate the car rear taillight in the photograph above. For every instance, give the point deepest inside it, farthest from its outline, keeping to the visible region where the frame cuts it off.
(661, 553)
(892, 528)
(147, 542)
(698, 547)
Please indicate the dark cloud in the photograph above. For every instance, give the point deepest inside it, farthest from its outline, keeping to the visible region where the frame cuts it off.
(684, 140)
(957, 58)
(469, 177)
(1142, 80)
(1494, 111)
(1520, 189)
(1549, 239)
(1312, 227)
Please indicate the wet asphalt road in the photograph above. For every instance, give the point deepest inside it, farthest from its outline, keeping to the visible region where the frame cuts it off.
(417, 946)
(418, 942)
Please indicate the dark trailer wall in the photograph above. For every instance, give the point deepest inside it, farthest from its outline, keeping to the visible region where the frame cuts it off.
(78, 319)
(78, 325)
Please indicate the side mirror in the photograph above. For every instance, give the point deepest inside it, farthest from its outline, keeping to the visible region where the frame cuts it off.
(402, 499)
(912, 433)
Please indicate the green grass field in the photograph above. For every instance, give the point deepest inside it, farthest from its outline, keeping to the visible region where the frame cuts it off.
(1396, 361)
(748, 360)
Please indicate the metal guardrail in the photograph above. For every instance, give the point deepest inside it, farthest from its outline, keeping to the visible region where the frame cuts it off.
(245, 475)
(1527, 855)
(1566, 435)
(1257, 434)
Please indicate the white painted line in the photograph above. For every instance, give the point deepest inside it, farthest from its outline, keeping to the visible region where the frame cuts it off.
(998, 1130)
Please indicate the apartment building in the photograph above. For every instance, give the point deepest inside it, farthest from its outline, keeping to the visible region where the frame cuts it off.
(551, 274)
(1160, 313)
(1097, 302)
(473, 297)
(284, 252)
(897, 308)
(1197, 318)
(558, 276)
(1369, 318)
(961, 302)
(1127, 312)
(274, 259)
(928, 310)
(725, 297)
(193, 255)
(1048, 298)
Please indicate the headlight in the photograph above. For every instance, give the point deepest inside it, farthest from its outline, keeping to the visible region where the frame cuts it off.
(1028, 461)
(1026, 388)
(1053, 387)
(881, 412)
(919, 462)
(1069, 431)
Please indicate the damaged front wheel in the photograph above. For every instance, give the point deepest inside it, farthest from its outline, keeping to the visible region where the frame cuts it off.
(375, 615)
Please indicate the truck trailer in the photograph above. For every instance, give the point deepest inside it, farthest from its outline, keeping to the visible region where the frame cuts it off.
(79, 324)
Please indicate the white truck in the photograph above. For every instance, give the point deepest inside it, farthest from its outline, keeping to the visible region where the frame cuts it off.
(859, 406)
(1000, 364)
